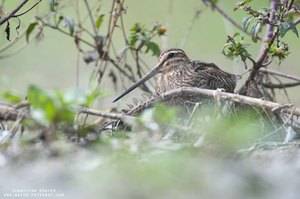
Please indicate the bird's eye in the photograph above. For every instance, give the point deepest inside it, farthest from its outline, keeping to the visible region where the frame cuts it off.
(171, 55)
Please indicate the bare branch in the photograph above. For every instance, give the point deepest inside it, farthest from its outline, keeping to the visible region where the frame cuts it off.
(297, 21)
(18, 15)
(64, 32)
(280, 86)
(270, 35)
(196, 92)
(91, 17)
(8, 113)
(111, 29)
(117, 116)
(277, 73)
(291, 4)
(189, 29)
(13, 12)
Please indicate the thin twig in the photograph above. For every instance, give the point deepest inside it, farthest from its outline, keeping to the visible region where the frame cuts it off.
(291, 4)
(78, 35)
(270, 35)
(91, 17)
(18, 15)
(269, 29)
(20, 48)
(117, 116)
(277, 73)
(297, 21)
(281, 126)
(190, 27)
(66, 33)
(13, 12)
(138, 66)
(21, 104)
(110, 32)
(121, 70)
(280, 86)
(228, 18)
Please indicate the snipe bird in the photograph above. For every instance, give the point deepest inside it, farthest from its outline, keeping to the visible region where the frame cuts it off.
(177, 70)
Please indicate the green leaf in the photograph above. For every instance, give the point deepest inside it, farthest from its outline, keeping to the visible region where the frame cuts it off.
(241, 4)
(214, 1)
(53, 5)
(293, 27)
(11, 97)
(279, 50)
(236, 49)
(238, 35)
(283, 28)
(29, 30)
(246, 22)
(70, 23)
(42, 102)
(133, 40)
(164, 114)
(154, 48)
(254, 30)
(135, 34)
(99, 21)
(7, 30)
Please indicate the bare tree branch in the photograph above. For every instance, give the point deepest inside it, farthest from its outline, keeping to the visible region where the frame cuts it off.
(91, 17)
(13, 12)
(18, 15)
(280, 86)
(297, 21)
(197, 92)
(277, 73)
(8, 113)
(117, 116)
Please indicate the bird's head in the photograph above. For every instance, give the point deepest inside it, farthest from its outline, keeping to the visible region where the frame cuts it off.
(169, 60)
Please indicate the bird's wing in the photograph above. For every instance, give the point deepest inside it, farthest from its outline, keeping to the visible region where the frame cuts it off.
(213, 76)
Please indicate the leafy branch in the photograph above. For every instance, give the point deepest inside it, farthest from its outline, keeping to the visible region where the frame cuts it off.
(278, 19)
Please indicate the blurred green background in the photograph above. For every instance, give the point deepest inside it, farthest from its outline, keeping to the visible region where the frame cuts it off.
(51, 62)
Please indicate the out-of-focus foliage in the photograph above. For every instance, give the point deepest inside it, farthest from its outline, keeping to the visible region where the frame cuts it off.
(141, 37)
(56, 106)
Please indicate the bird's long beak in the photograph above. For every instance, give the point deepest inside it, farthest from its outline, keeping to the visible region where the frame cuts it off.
(150, 74)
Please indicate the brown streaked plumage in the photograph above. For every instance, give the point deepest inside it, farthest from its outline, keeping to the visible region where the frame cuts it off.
(177, 70)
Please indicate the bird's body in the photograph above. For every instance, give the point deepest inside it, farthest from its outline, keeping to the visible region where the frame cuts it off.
(196, 74)
(177, 70)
